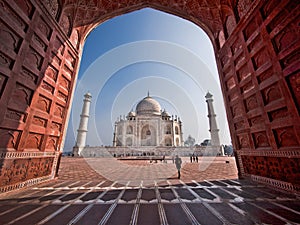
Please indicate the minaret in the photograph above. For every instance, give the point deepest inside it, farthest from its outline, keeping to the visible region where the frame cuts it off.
(115, 136)
(83, 125)
(214, 131)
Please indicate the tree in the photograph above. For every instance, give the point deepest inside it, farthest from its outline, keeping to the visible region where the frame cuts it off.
(190, 141)
(228, 150)
(206, 142)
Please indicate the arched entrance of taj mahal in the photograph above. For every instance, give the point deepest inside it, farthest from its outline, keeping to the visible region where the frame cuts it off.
(256, 45)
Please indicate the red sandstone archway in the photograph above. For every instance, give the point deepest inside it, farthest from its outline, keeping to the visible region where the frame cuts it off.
(257, 51)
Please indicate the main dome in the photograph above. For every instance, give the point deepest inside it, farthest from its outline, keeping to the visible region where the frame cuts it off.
(148, 106)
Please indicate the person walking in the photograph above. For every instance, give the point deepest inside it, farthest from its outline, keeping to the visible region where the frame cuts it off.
(178, 162)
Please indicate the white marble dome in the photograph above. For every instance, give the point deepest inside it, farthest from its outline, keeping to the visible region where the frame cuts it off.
(148, 106)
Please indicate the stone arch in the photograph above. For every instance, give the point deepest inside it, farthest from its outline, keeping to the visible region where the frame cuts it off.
(168, 141)
(168, 129)
(148, 136)
(253, 18)
(129, 129)
(176, 130)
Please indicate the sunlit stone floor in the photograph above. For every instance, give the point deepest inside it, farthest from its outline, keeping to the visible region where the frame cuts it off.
(104, 191)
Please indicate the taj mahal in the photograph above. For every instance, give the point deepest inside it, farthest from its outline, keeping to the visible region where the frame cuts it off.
(148, 130)
(148, 125)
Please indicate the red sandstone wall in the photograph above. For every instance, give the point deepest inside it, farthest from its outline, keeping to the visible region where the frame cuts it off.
(37, 72)
(261, 83)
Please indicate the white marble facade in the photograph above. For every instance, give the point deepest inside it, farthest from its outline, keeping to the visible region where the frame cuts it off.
(148, 125)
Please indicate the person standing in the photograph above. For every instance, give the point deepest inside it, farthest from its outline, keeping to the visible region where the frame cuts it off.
(178, 162)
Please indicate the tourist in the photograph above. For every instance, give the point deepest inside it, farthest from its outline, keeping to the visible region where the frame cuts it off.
(178, 164)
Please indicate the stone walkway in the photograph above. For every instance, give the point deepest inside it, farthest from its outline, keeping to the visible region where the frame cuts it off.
(106, 191)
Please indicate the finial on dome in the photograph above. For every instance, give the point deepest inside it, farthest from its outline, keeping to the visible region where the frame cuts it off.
(148, 94)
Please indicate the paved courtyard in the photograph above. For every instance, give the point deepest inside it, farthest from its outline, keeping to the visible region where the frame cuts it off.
(108, 191)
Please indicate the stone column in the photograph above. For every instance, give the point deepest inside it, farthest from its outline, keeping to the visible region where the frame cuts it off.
(83, 125)
(214, 131)
(115, 136)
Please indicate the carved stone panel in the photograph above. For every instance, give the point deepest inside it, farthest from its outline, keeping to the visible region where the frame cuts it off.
(260, 139)
(6, 61)
(268, 7)
(256, 121)
(47, 87)
(230, 83)
(9, 138)
(59, 111)
(285, 137)
(39, 121)
(26, 6)
(44, 28)
(12, 15)
(282, 15)
(13, 171)
(65, 83)
(271, 94)
(51, 72)
(237, 110)
(39, 42)
(260, 58)
(15, 115)
(55, 59)
(251, 103)
(243, 140)
(240, 125)
(278, 114)
(243, 72)
(62, 96)
(22, 95)
(28, 76)
(287, 37)
(265, 75)
(43, 103)
(278, 168)
(34, 59)
(9, 38)
(247, 87)
(294, 84)
(70, 59)
(59, 46)
(290, 59)
(252, 26)
(34, 141)
(56, 126)
(52, 143)
(255, 44)
(239, 60)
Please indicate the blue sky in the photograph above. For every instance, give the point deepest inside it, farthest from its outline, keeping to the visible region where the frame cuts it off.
(147, 50)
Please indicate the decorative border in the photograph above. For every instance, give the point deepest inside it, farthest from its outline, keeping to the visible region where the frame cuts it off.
(27, 183)
(13, 155)
(24, 184)
(285, 153)
(281, 185)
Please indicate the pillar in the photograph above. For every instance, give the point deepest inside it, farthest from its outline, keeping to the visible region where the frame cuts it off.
(83, 125)
(214, 131)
